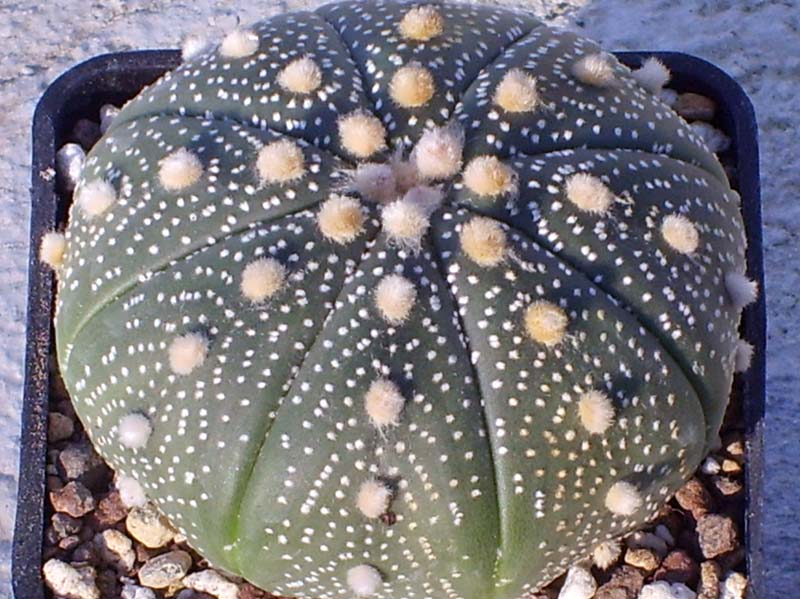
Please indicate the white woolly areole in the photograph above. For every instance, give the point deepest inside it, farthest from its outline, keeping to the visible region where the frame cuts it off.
(652, 75)
(362, 134)
(193, 46)
(546, 322)
(579, 584)
(180, 169)
(364, 580)
(412, 86)
(341, 218)
(483, 241)
(280, 162)
(131, 492)
(680, 233)
(52, 248)
(517, 92)
(596, 411)
(623, 499)
(405, 172)
(383, 403)
(743, 356)
(741, 290)
(437, 154)
(134, 430)
(375, 182)
(262, 278)
(405, 223)
(95, 197)
(394, 297)
(421, 24)
(595, 69)
(187, 352)
(373, 498)
(666, 590)
(487, 176)
(239, 43)
(301, 76)
(607, 553)
(589, 193)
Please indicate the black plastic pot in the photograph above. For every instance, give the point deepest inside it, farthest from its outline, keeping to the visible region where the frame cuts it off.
(114, 78)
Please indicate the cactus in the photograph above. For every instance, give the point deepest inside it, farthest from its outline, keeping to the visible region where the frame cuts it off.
(402, 300)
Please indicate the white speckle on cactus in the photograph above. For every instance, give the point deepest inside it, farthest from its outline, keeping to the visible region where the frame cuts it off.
(364, 580)
(623, 499)
(405, 223)
(193, 46)
(394, 297)
(653, 75)
(741, 290)
(589, 193)
(131, 492)
(361, 134)
(421, 23)
(187, 352)
(487, 176)
(262, 278)
(179, 170)
(437, 154)
(52, 248)
(546, 323)
(579, 584)
(134, 430)
(596, 411)
(595, 69)
(374, 181)
(280, 162)
(680, 233)
(483, 241)
(607, 553)
(373, 498)
(95, 197)
(517, 92)
(301, 76)
(239, 43)
(666, 590)
(743, 356)
(383, 402)
(341, 218)
(412, 86)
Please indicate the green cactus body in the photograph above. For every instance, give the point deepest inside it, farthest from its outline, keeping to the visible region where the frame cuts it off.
(451, 375)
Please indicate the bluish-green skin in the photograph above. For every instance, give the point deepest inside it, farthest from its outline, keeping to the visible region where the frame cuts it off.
(258, 454)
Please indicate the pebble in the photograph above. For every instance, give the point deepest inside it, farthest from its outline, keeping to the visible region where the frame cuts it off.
(625, 583)
(70, 582)
(76, 460)
(731, 466)
(86, 552)
(134, 591)
(116, 549)
(695, 499)
(165, 569)
(709, 581)
(107, 114)
(694, 107)
(647, 540)
(678, 566)
(213, 583)
(59, 427)
(663, 532)
(579, 584)
(734, 446)
(65, 525)
(710, 466)
(149, 527)
(248, 591)
(69, 542)
(109, 511)
(715, 140)
(86, 133)
(733, 587)
(70, 159)
(727, 486)
(73, 499)
(666, 590)
(716, 535)
(645, 559)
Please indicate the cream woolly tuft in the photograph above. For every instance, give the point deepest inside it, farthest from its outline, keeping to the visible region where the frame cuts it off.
(517, 92)
(95, 197)
(179, 170)
(653, 75)
(131, 492)
(187, 352)
(262, 278)
(623, 499)
(546, 322)
(364, 580)
(239, 43)
(421, 24)
(375, 182)
(405, 223)
(487, 176)
(301, 76)
(373, 498)
(383, 403)
(362, 134)
(743, 356)
(412, 86)
(193, 46)
(134, 430)
(394, 297)
(596, 411)
(52, 248)
(607, 553)
(741, 291)
(680, 233)
(483, 241)
(437, 154)
(595, 69)
(589, 193)
(341, 218)
(281, 161)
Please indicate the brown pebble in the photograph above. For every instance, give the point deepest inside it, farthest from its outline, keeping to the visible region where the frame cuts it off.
(69, 542)
(695, 499)
(678, 566)
(85, 133)
(54, 483)
(108, 583)
(727, 486)
(732, 559)
(73, 499)
(109, 511)
(85, 553)
(644, 559)
(59, 427)
(716, 535)
(248, 591)
(709, 581)
(143, 553)
(625, 583)
(65, 525)
(694, 107)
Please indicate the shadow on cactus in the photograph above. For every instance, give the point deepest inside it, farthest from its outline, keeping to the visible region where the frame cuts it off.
(402, 300)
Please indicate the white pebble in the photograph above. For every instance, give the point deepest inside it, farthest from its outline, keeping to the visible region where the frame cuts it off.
(579, 584)
(212, 583)
(70, 159)
(70, 582)
(665, 590)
